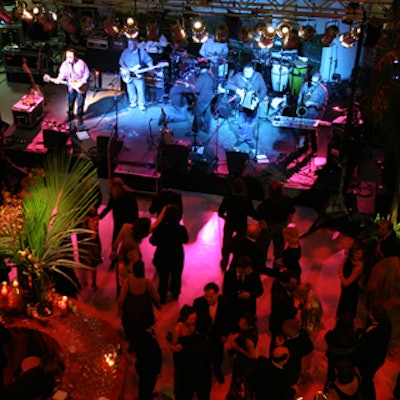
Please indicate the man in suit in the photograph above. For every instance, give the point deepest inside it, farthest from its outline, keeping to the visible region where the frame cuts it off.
(214, 312)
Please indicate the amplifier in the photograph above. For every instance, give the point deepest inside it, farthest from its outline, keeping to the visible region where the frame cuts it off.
(28, 111)
(55, 138)
(97, 43)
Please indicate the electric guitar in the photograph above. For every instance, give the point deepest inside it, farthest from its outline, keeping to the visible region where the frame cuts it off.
(36, 88)
(75, 84)
(129, 74)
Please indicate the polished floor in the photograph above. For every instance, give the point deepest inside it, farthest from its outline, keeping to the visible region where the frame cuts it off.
(323, 250)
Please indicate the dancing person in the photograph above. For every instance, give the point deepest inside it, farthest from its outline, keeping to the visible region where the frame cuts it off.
(234, 209)
(168, 235)
(135, 304)
(75, 73)
(204, 93)
(349, 272)
(214, 312)
(165, 197)
(250, 87)
(346, 384)
(185, 326)
(123, 204)
(311, 103)
(372, 348)
(131, 61)
(274, 213)
(243, 349)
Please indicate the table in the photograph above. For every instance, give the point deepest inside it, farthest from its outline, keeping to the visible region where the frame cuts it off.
(89, 348)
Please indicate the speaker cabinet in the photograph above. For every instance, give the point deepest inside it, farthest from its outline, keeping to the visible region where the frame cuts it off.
(108, 146)
(174, 158)
(237, 162)
(54, 139)
(107, 61)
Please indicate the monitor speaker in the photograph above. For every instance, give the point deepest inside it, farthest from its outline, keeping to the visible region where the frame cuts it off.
(105, 148)
(55, 139)
(174, 158)
(237, 162)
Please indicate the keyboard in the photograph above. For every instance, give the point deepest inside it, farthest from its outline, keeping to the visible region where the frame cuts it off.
(281, 121)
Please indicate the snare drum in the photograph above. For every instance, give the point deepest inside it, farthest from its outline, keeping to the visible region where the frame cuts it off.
(297, 76)
(279, 77)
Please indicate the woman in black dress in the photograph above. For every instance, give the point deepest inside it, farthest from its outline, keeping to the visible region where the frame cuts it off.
(350, 272)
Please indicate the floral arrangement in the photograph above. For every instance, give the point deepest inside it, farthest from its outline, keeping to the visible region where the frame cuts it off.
(37, 224)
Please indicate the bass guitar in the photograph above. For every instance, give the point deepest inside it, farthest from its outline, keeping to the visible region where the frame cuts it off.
(129, 74)
(35, 87)
(75, 84)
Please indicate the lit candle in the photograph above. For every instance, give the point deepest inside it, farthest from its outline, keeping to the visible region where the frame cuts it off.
(110, 359)
(4, 289)
(63, 305)
(15, 285)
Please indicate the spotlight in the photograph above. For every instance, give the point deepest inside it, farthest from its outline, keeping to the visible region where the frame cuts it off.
(291, 40)
(111, 26)
(179, 34)
(283, 29)
(331, 31)
(349, 38)
(5, 15)
(21, 12)
(264, 35)
(199, 31)
(307, 33)
(245, 34)
(222, 34)
(152, 30)
(45, 17)
(131, 28)
(68, 22)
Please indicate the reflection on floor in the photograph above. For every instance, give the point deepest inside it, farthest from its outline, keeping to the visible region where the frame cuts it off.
(323, 250)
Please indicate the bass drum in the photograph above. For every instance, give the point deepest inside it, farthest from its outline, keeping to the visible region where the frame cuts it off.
(223, 105)
(279, 77)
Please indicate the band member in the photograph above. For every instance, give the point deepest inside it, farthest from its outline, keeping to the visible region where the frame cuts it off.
(311, 103)
(75, 72)
(204, 92)
(250, 88)
(131, 61)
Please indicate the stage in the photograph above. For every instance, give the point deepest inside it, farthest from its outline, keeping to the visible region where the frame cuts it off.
(149, 154)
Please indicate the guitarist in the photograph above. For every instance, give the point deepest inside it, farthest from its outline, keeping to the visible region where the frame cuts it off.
(130, 60)
(311, 103)
(75, 73)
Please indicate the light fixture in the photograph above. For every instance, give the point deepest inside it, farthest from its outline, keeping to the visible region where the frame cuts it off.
(264, 35)
(152, 30)
(5, 16)
(199, 31)
(306, 33)
(222, 34)
(87, 24)
(283, 29)
(331, 32)
(45, 17)
(349, 38)
(291, 40)
(68, 22)
(21, 12)
(111, 26)
(131, 28)
(245, 34)
(179, 34)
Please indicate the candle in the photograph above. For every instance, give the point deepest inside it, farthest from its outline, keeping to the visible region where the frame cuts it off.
(4, 289)
(63, 305)
(110, 359)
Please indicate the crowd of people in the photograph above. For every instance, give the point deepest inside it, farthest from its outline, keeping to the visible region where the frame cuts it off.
(223, 322)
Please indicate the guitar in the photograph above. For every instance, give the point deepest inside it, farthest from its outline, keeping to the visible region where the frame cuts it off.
(128, 75)
(75, 84)
(35, 87)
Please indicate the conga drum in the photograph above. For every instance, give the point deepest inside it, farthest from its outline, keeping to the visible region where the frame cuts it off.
(279, 77)
(297, 76)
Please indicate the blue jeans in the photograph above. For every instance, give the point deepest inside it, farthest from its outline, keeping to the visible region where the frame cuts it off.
(136, 92)
(73, 96)
(247, 125)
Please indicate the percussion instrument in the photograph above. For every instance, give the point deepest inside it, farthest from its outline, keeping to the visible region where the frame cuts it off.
(297, 76)
(279, 76)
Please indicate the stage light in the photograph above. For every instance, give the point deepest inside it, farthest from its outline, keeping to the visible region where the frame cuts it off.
(291, 40)
(264, 35)
(283, 29)
(45, 17)
(179, 34)
(131, 28)
(111, 26)
(199, 31)
(68, 22)
(5, 16)
(87, 24)
(349, 38)
(245, 34)
(152, 30)
(222, 34)
(331, 32)
(21, 12)
(307, 33)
